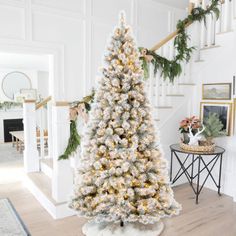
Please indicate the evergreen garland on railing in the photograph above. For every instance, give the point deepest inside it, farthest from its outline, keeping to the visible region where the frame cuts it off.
(172, 68)
(74, 139)
(73, 142)
(168, 68)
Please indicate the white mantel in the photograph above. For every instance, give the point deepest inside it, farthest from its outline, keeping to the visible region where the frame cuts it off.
(9, 114)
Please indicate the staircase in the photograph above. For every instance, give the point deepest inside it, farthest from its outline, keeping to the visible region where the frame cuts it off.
(167, 98)
(51, 181)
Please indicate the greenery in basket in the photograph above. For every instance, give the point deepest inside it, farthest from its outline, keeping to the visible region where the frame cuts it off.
(213, 127)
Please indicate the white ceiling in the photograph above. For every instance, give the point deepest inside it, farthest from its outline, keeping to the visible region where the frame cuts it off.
(24, 61)
(175, 3)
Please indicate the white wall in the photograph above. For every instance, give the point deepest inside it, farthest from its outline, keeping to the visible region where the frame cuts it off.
(219, 66)
(75, 32)
(43, 77)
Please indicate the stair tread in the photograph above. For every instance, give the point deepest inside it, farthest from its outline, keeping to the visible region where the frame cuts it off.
(225, 32)
(191, 84)
(48, 162)
(43, 182)
(171, 95)
(175, 95)
(164, 107)
(210, 47)
(197, 61)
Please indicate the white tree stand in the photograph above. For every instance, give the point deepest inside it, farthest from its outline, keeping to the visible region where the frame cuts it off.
(108, 229)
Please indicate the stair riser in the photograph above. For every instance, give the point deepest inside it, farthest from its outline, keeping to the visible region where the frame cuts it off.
(56, 211)
(176, 101)
(46, 170)
(162, 114)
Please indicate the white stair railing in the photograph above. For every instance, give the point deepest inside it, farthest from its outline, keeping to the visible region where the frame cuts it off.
(234, 9)
(42, 111)
(204, 36)
(223, 24)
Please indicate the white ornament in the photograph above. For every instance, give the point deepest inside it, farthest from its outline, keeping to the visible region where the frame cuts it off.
(126, 125)
(115, 82)
(109, 131)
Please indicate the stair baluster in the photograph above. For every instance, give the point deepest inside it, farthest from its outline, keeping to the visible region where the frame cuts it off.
(218, 22)
(234, 9)
(223, 18)
(230, 14)
(157, 88)
(151, 92)
(42, 111)
(171, 87)
(203, 29)
(31, 155)
(42, 127)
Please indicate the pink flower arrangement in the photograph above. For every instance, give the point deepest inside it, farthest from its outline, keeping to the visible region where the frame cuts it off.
(193, 122)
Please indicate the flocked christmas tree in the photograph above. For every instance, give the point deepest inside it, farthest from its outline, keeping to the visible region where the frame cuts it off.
(123, 174)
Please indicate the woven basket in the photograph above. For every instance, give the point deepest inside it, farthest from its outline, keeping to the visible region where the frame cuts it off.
(186, 147)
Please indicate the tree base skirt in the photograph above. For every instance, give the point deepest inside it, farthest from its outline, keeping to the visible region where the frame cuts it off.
(130, 229)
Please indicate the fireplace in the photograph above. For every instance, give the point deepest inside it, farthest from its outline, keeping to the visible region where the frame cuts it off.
(11, 125)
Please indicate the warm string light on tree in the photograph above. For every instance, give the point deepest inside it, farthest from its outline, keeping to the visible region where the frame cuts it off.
(122, 175)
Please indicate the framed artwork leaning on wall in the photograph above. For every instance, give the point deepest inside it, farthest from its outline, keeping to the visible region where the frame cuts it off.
(234, 117)
(217, 91)
(223, 110)
(30, 94)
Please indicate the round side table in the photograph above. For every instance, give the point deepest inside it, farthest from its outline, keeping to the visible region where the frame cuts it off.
(204, 161)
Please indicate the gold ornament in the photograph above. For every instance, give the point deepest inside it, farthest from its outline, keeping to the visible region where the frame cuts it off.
(136, 183)
(111, 190)
(146, 185)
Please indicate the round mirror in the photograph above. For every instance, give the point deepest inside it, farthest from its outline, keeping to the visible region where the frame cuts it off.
(14, 82)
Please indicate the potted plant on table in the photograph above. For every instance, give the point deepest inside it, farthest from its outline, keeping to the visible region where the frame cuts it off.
(213, 129)
(198, 136)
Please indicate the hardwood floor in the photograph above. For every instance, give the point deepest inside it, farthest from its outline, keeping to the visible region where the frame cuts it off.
(214, 216)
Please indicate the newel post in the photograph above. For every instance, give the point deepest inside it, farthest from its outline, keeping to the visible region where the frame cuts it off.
(62, 178)
(31, 155)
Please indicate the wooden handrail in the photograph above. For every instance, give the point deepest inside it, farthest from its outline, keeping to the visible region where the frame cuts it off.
(168, 38)
(175, 33)
(44, 102)
(191, 5)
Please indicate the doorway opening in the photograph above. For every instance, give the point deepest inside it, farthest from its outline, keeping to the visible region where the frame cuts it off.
(22, 76)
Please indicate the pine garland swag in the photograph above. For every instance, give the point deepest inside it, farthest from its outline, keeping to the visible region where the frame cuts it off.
(172, 68)
(73, 142)
(74, 139)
